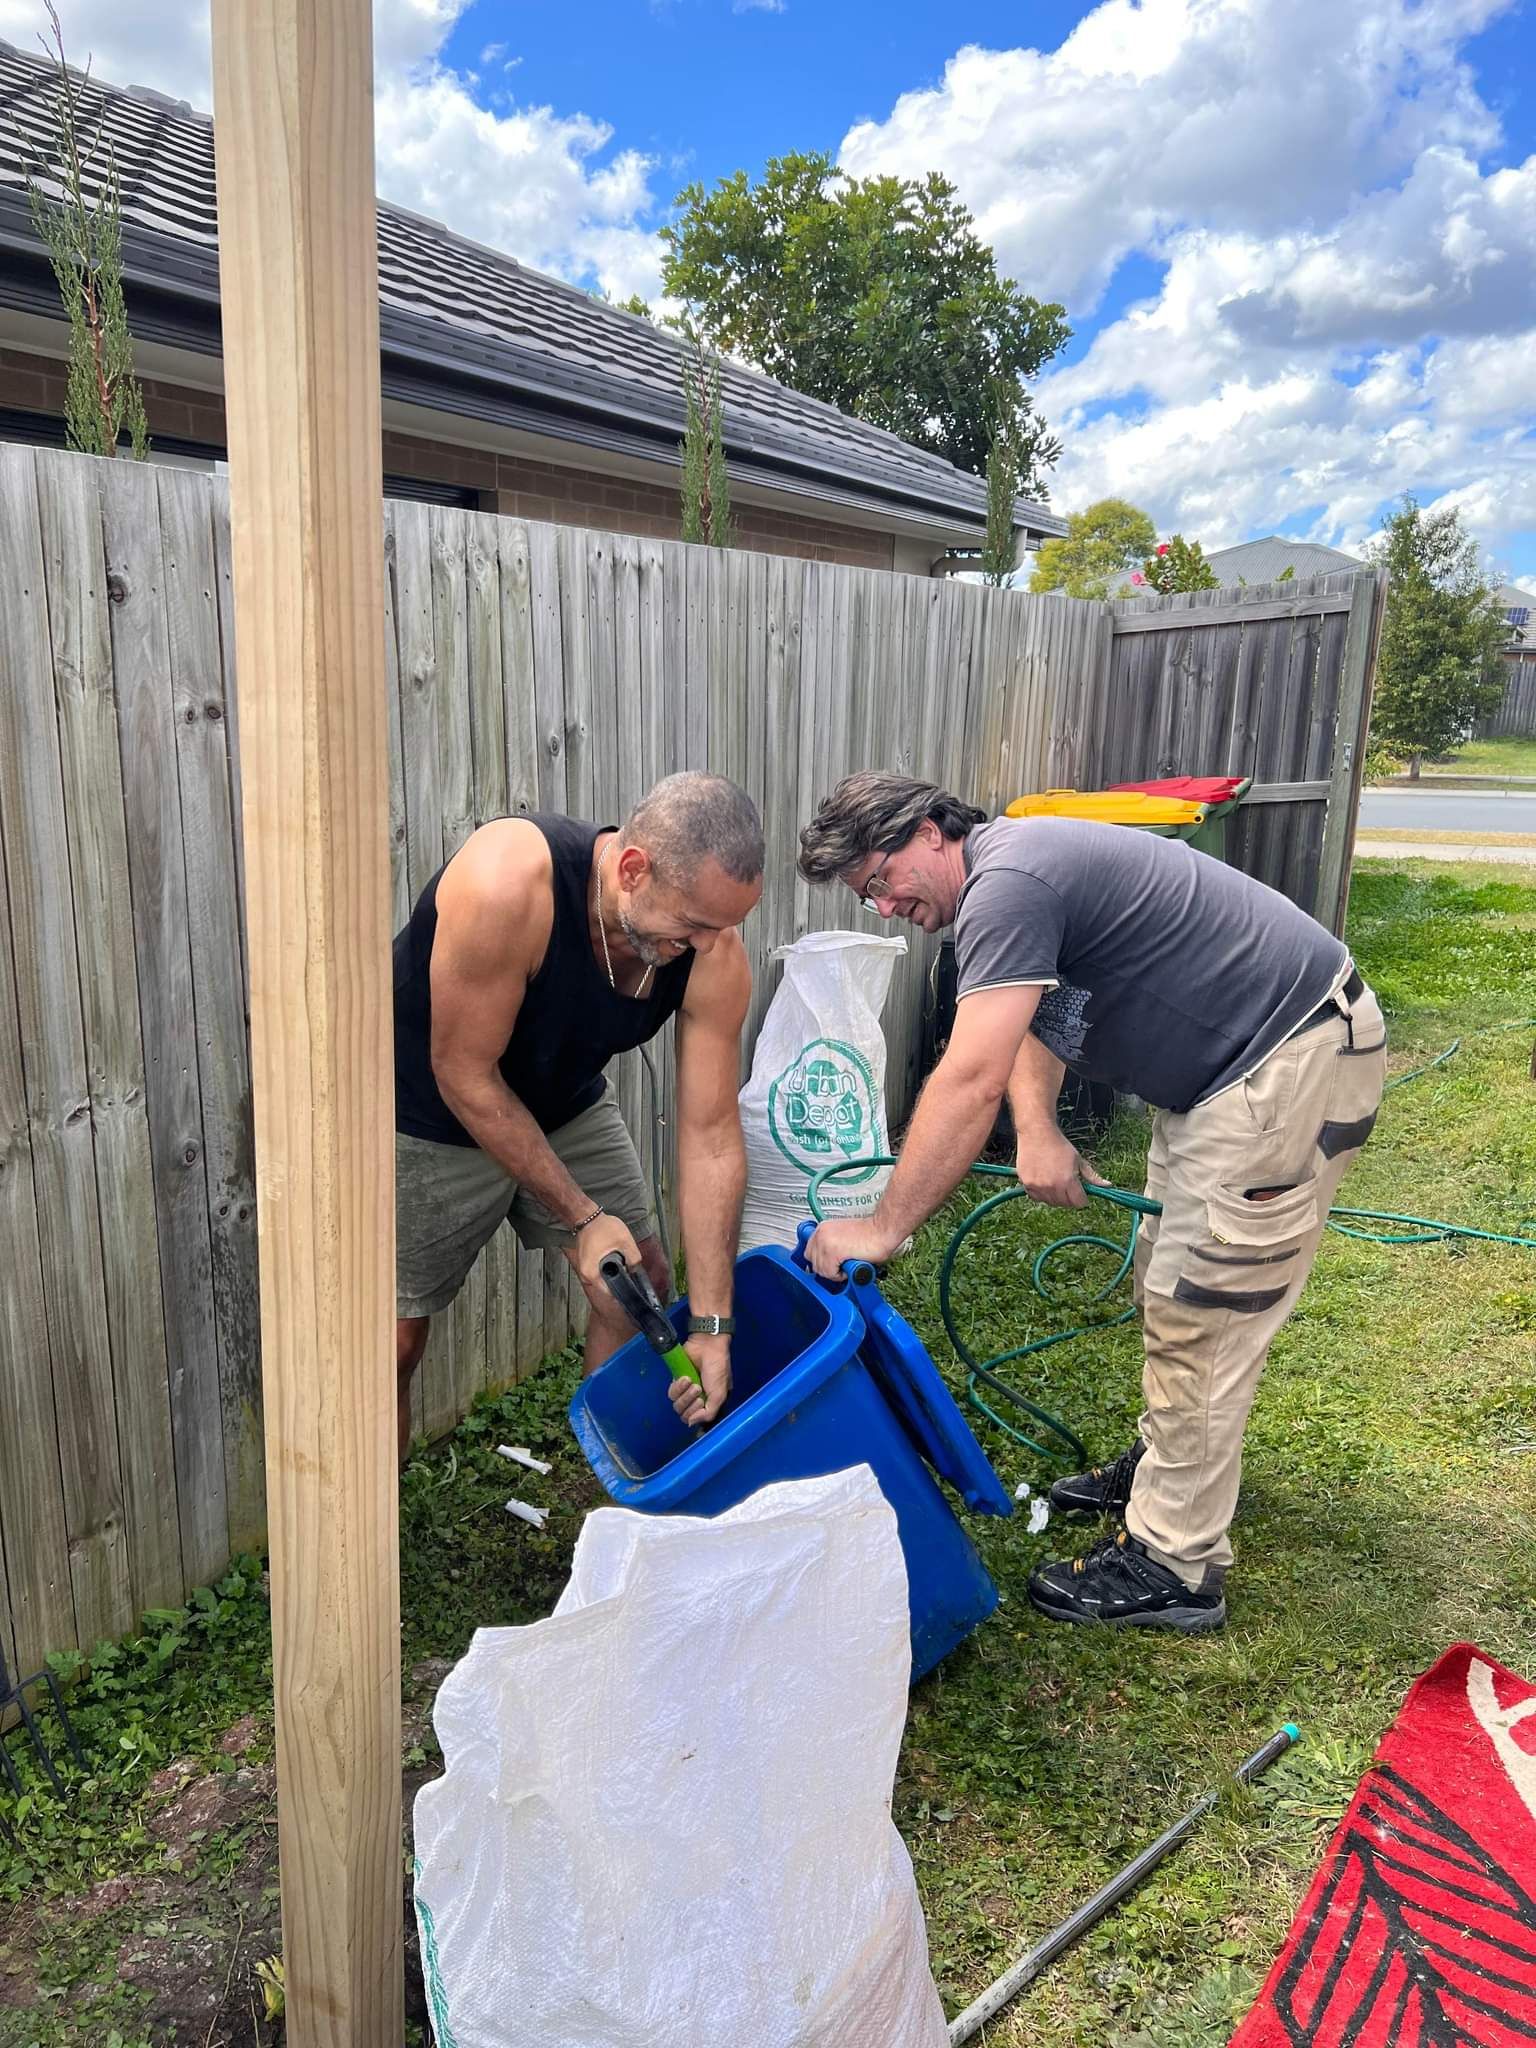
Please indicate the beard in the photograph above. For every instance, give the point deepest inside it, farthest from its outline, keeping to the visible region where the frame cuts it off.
(653, 951)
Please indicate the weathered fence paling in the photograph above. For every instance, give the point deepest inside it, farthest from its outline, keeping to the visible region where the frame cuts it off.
(1514, 718)
(528, 667)
(1272, 682)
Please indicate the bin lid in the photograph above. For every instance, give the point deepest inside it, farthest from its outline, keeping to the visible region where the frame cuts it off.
(1109, 807)
(895, 1354)
(1200, 789)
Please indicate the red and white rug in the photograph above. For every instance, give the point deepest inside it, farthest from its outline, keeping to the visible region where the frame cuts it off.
(1420, 1928)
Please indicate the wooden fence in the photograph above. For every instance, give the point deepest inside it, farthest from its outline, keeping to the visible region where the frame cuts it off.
(1272, 681)
(1515, 717)
(529, 667)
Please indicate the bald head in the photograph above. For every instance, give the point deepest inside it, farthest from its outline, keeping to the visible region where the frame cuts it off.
(692, 818)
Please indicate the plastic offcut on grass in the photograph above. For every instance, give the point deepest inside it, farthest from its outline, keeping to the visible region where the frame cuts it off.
(665, 1818)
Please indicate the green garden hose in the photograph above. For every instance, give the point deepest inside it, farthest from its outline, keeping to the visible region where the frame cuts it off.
(984, 1373)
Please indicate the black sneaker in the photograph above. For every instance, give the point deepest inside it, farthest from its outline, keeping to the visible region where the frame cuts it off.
(1102, 1491)
(1118, 1583)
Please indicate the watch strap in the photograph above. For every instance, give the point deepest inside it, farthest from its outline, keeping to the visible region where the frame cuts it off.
(711, 1326)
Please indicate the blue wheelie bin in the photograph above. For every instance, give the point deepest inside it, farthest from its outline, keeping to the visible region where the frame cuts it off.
(823, 1378)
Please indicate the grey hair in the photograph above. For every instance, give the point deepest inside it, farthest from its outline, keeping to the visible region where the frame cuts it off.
(693, 817)
(876, 813)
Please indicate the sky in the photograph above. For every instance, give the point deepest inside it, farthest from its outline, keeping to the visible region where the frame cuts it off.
(1296, 239)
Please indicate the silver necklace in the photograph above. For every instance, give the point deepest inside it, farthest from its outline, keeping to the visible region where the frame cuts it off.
(602, 933)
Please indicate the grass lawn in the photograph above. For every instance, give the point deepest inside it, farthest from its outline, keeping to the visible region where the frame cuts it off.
(1385, 1514)
(1487, 757)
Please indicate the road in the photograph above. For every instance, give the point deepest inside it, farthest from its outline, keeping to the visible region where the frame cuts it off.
(1462, 810)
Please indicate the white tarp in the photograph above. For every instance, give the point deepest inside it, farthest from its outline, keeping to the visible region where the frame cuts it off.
(665, 1815)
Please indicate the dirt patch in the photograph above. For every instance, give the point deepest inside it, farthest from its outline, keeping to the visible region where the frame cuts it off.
(191, 1947)
(180, 1962)
(18, 1961)
(246, 1733)
(418, 1696)
(164, 1784)
(214, 1806)
(169, 1954)
(113, 1893)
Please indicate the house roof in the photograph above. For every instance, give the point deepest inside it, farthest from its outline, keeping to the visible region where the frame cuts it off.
(1263, 561)
(464, 328)
(1516, 605)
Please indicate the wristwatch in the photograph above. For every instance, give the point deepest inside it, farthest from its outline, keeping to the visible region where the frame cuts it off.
(711, 1326)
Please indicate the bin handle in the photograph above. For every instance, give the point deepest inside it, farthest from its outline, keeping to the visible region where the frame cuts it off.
(856, 1272)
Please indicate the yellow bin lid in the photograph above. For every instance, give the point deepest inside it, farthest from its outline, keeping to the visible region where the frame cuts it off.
(1108, 807)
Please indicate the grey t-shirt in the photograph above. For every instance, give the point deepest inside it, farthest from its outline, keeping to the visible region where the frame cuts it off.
(1169, 974)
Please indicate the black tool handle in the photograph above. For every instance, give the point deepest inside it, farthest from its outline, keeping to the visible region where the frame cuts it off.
(1028, 1967)
(631, 1288)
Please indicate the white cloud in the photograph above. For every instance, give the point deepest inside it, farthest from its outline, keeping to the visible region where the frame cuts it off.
(1256, 114)
(523, 181)
(535, 183)
(758, 6)
(1449, 249)
(1308, 448)
(410, 32)
(1313, 377)
(164, 48)
(1347, 306)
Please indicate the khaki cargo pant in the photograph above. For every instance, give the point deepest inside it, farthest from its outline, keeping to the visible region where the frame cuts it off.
(1219, 1271)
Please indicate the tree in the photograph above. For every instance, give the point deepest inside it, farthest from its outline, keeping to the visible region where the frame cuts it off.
(1440, 668)
(999, 549)
(1101, 544)
(84, 236)
(706, 488)
(874, 294)
(1178, 564)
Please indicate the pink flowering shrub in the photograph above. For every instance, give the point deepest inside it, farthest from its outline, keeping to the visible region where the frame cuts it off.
(1177, 564)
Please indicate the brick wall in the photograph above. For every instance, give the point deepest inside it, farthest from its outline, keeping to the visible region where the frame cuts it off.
(32, 383)
(581, 497)
(512, 484)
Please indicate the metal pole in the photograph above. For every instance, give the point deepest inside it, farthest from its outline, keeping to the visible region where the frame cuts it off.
(1028, 1967)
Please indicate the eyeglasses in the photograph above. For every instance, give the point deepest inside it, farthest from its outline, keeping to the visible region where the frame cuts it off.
(875, 888)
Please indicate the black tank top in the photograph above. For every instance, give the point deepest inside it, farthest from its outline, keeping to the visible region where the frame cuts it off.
(571, 1022)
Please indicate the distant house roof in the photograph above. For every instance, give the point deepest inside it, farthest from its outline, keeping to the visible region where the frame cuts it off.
(464, 329)
(1517, 606)
(1263, 561)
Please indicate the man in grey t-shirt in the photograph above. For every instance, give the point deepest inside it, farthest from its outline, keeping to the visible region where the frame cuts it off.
(1136, 961)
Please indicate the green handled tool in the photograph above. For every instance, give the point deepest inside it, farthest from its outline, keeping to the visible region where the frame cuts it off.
(632, 1290)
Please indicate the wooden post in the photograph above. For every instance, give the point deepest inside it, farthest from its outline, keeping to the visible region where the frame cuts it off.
(293, 99)
(1362, 637)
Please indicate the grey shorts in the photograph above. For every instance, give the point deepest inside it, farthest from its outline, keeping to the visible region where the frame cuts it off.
(450, 1199)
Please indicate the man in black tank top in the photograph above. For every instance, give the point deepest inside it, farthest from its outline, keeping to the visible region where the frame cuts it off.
(545, 946)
